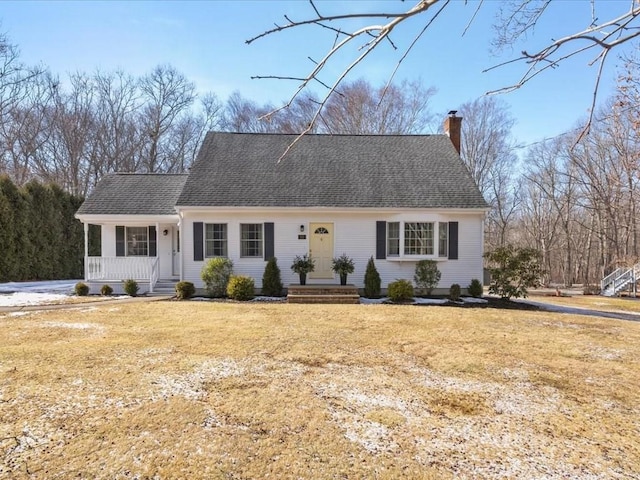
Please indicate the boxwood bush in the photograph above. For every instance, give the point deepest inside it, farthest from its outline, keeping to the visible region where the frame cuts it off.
(106, 290)
(400, 291)
(82, 289)
(241, 288)
(185, 290)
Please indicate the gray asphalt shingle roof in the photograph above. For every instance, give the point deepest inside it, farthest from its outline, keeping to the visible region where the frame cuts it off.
(134, 194)
(407, 171)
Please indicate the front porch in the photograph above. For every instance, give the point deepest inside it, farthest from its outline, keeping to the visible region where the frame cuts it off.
(113, 271)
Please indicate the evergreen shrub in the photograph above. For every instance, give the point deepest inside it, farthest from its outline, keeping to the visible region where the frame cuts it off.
(240, 288)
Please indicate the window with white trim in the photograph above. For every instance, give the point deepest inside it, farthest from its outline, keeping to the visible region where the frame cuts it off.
(251, 243)
(215, 240)
(418, 238)
(137, 241)
(393, 239)
(443, 239)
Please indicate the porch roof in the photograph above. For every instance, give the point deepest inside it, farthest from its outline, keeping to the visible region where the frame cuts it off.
(134, 194)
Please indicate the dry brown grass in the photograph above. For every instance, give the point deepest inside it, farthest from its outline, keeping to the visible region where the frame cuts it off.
(240, 391)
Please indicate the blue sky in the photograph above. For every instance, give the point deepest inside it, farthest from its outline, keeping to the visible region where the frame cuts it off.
(205, 40)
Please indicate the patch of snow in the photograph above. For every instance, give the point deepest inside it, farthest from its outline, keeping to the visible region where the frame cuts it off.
(65, 287)
(373, 301)
(269, 299)
(429, 301)
(19, 299)
(73, 326)
(474, 300)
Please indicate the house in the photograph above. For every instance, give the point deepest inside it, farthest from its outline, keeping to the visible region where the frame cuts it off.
(398, 198)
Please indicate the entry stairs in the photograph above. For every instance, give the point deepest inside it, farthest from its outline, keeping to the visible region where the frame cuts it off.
(323, 294)
(164, 286)
(623, 278)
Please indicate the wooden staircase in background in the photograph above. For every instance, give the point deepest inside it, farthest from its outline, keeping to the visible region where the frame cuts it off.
(316, 293)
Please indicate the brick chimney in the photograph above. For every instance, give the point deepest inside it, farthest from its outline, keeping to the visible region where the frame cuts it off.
(452, 126)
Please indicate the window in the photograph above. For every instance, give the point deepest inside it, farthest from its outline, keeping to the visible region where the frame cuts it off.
(215, 240)
(251, 240)
(137, 241)
(393, 239)
(443, 239)
(418, 238)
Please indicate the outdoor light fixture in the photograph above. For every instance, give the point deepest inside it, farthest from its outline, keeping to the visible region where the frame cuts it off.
(165, 232)
(301, 228)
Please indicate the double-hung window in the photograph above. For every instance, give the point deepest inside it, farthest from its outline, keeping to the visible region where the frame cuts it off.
(215, 240)
(251, 243)
(393, 239)
(443, 239)
(137, 241)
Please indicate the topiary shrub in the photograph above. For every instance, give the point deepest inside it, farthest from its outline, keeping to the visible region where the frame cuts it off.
(82, 289)
(271, 280)
(475, 288)
(131, 287)
(400, 291)
(454, 292)
(427, 275)
(185, 290)
(106, 290)
(371, 280)
(241, 288)
(215, 274)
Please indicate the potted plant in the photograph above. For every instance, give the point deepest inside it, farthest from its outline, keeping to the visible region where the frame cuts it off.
(343, 266)
(303, 265)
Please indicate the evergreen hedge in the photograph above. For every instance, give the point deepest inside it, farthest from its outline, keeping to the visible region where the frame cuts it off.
(39, 237)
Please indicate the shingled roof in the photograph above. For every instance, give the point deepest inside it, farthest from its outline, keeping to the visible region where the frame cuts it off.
(376, 171)
(134, 194)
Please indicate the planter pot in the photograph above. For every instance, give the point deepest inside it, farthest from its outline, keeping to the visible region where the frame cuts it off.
(343, 279)
(303, 278)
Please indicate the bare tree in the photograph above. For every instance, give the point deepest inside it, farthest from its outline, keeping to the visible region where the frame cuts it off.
(488, 150)
(118, 135)
(517, 19)
(360, 108)
(167, 96)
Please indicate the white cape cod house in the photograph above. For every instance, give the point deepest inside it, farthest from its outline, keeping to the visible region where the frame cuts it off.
(398, 198)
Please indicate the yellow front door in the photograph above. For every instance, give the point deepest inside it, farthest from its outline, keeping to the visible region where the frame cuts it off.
(321, 249)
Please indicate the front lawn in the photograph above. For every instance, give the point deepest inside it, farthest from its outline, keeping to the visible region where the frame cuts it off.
(245, 391)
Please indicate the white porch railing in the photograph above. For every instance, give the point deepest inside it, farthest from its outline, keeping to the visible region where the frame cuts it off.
(117, 269)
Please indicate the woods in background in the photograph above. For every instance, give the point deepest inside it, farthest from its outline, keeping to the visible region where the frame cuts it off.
(574, 197)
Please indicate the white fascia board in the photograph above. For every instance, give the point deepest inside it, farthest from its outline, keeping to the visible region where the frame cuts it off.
(186, 210)
(127, 219)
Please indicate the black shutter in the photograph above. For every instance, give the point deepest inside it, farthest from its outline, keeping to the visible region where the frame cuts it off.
(269, 249)
(119, 241)
(153, 241)
(381, 240)
(198, 251)
(453, 240)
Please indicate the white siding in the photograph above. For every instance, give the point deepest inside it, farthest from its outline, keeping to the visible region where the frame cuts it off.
(354, 234)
